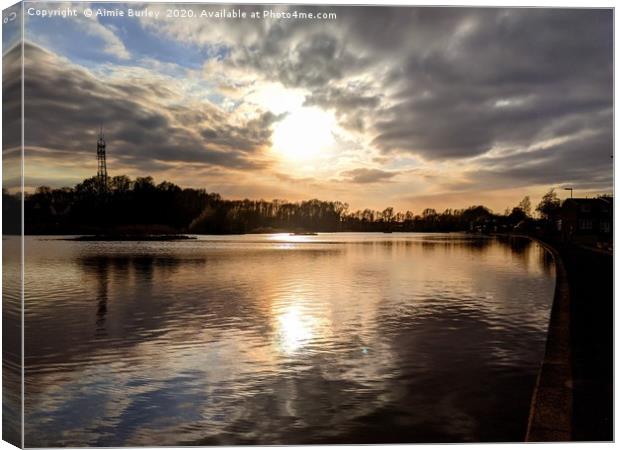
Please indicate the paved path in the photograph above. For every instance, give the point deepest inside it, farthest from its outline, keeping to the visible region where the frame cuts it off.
(590, 276)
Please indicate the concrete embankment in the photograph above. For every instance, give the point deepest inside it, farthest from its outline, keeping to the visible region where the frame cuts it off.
(552, 402)
(573, 397)
(591, 280)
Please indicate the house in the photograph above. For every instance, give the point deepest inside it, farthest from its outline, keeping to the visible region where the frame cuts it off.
(587, 220)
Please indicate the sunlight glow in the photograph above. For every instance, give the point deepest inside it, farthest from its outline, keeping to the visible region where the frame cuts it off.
(295, 329)
(304, 134)
(275, 98)
(298, 327)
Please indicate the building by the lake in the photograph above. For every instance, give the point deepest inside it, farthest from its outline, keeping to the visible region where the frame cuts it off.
(587, 220)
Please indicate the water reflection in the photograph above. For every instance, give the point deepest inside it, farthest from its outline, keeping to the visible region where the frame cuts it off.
(294, 329)
(102, 276)
(330, 339)
(12, 340)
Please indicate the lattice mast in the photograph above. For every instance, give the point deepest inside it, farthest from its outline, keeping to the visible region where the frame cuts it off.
(102, 170)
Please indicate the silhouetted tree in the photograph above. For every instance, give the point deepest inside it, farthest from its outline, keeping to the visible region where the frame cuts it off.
(525, 205)
(11, 213)
(549, 206)
(140, 205)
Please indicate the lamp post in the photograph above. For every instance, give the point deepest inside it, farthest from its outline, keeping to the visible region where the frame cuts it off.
(571, 191)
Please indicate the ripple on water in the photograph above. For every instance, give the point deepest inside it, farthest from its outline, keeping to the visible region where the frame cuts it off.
(266, 339)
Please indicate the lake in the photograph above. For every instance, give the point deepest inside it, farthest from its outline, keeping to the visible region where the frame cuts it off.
(278, 339)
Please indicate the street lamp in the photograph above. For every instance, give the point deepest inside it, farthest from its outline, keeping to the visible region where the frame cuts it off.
(571, 191)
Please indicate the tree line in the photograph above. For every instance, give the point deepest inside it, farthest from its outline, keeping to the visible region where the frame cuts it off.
(141, 206)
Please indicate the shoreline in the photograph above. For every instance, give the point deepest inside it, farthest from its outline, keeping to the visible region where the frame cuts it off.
(129, 238)
(310, 233)
(573, 396)
(551, 409)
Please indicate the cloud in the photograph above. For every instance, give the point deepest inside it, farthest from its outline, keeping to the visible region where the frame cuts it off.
(583, 163)
(86, 35)
(441, 83)
(352, 103)
(363, 175)
(112, 44)
(512, 80)
(255, 133)
(486, 98)
(11, 100)
(146, 121)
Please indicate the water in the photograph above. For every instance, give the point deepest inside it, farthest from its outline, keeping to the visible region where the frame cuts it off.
(277, 339)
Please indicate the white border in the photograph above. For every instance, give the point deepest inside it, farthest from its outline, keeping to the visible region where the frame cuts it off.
(479, 3)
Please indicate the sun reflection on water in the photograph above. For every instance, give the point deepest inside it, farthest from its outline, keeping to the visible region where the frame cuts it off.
(294, 329)
(297, 327)
(291, 238)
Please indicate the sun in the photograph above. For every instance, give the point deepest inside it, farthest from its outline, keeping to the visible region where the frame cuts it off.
(304, 134)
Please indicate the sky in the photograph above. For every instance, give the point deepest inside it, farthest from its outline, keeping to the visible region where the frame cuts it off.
(380, 106)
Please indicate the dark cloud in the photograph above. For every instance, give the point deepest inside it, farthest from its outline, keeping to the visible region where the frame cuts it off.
(347, 98)
(454, 83)
(65, 105)
(583, 163)
(351, 103)
(317, 59)
(11, 100)
(363, 175)
(509, 77)
(449, 83)
(254, 134)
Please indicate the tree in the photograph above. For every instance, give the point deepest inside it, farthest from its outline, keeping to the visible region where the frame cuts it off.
(549, 206)
(120, 184)
(140, 205)
(526, 206)
(517, 215)
(429, 213)
(388, 214)
(520, 212)
(477, 212)
(144, 184)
